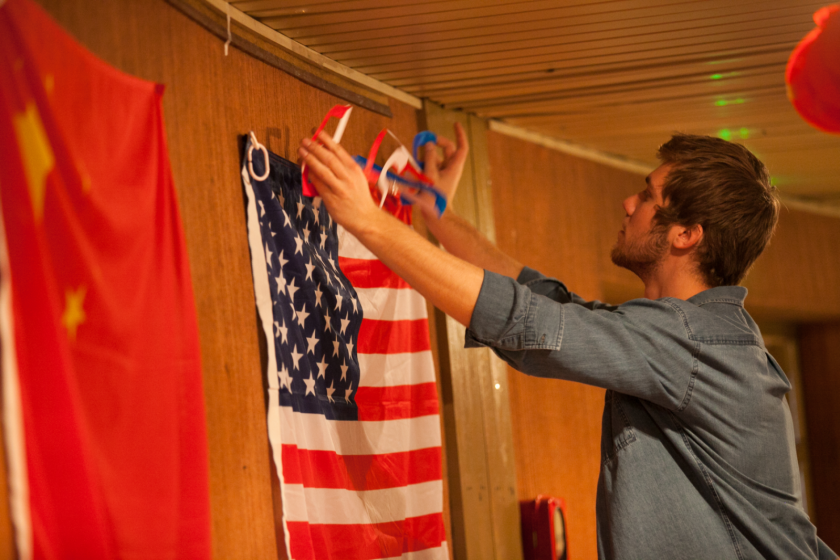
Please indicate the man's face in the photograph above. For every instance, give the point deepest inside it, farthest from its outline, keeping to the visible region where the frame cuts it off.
(639, 248)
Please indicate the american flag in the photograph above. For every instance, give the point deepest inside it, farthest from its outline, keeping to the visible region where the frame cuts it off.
(352, 405)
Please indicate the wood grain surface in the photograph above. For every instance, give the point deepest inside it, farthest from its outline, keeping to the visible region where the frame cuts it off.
(819, 346)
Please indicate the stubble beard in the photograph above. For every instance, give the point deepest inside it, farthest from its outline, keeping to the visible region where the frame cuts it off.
(641, 258)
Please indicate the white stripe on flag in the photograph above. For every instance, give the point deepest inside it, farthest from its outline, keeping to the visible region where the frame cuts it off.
(390, 370)
(391, 305)
(349, 437)
(350, 247)
(439, 553)
(342, 507)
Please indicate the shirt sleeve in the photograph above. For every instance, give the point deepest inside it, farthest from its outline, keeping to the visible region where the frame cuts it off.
(825, 553)
(536, 325)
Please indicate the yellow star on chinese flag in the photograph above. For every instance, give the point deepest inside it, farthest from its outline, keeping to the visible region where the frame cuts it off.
(74, 313)
(38, 159)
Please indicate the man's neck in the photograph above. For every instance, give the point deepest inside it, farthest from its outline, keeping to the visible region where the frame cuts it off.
(675, 281)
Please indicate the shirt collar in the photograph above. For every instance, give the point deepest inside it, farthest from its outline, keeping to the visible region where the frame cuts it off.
(722, 294)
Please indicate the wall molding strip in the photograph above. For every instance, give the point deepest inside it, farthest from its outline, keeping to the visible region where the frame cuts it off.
(312, 56)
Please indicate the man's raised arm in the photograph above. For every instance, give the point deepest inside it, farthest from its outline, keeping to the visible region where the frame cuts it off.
(451, 281)
(458, 236)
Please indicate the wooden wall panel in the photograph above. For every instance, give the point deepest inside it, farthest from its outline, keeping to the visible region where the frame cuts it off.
(209, 100)
(798, 276)
(820, 356)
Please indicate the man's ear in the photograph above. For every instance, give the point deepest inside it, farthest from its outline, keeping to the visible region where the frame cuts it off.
(688, 238)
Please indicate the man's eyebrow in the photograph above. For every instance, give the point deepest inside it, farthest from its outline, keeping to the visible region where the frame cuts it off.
(647, 180)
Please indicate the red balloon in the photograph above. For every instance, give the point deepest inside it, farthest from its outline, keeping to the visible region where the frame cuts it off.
(813, 72)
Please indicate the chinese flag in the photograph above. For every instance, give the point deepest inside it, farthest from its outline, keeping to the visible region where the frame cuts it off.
(102, 396)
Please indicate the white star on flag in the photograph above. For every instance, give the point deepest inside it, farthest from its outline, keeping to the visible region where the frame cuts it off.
(335, 347)
(338, 298)
(310, 384)
(268, 254)
(309, 269)
(281, 283)
(298, 245)
(322, 367)
(301, 315)
(296, 356)
(327, 325)
(318, 294)
(282, 260)
(311, 341)
(344, 368)
(292, 289)
(285, 380)
(350, 346)
(344, 323)
(330, 391)
(300, 207)
(283, 332)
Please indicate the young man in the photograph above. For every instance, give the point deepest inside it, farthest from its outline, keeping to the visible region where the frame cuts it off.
(698, 456)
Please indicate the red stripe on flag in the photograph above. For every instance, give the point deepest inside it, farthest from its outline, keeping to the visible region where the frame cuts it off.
(365, 542)
(327, 469)
(393, 337)
(364, 273)
(397, 402)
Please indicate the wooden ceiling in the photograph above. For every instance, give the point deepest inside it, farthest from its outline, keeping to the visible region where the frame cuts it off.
(618, 76)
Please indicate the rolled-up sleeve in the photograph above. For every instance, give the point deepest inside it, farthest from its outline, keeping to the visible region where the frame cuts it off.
(537, 326)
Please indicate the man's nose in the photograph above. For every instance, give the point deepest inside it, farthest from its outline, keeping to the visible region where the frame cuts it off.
(629, 205)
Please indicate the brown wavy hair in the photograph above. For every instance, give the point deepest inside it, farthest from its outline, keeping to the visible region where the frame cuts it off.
(724, 188)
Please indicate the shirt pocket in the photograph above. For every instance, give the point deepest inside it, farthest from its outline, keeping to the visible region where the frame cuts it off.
(617, 431)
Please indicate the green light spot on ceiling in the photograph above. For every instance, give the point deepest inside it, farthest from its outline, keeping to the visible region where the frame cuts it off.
(739, 101)
(716, 76)
(721, 102)
(744, 132)
(726, 134)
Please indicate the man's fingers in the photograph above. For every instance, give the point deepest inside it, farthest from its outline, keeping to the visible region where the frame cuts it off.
(318, 167)
(447, 145)
(340, 153)
(327, 157)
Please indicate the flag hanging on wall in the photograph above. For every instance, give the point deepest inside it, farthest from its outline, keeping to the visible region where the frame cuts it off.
(103, 407)
(352, 405)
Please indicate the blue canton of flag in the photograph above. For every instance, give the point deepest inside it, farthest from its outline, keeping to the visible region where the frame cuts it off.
(316, 311)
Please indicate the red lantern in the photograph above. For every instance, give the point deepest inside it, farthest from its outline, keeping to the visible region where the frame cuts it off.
(813, 72)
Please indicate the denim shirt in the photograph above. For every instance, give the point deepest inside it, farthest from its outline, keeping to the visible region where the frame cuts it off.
(697, 445)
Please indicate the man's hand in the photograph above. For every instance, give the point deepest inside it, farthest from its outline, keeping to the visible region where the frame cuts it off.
(340, 182)
(447, 174)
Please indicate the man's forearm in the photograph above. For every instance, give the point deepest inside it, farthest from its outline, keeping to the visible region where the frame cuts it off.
(460, 238)
(450, 283)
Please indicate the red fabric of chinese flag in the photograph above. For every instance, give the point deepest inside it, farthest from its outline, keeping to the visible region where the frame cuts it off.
(103, 404)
